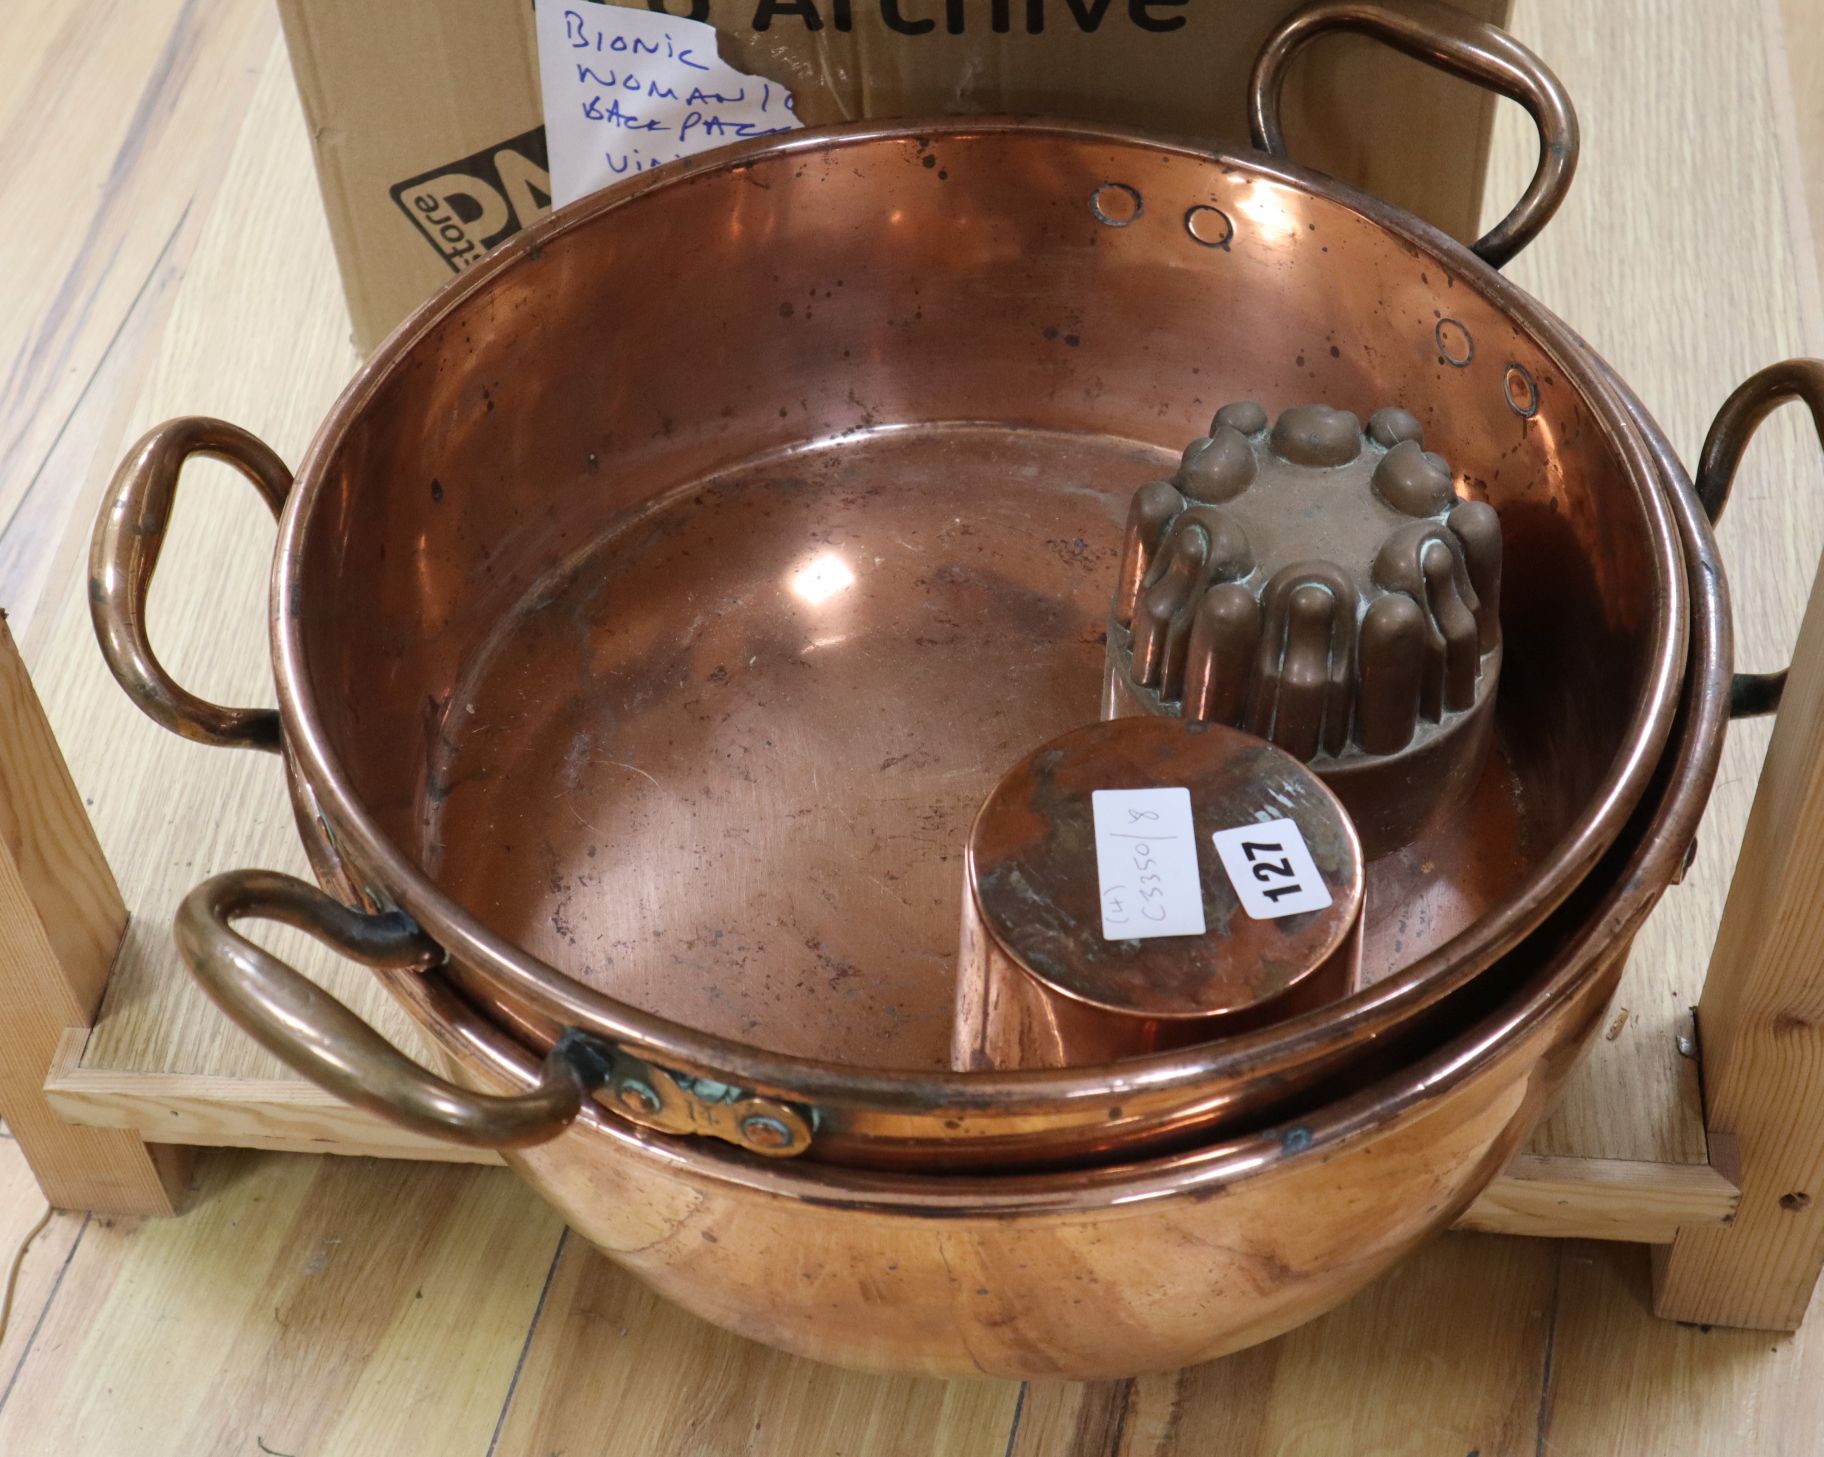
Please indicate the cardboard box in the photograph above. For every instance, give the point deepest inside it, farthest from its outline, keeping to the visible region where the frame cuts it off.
(426, 120)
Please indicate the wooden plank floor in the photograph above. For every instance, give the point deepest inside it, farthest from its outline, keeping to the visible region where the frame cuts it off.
(116, 119)
(314, 1307)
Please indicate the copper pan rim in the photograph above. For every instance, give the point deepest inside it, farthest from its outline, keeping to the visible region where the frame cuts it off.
(1421, 984)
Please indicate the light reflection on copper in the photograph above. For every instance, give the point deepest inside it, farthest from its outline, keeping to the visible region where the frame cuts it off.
(824, 576)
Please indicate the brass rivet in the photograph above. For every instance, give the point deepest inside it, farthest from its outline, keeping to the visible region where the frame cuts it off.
(1455, 346)
(1117, 205)
(1522, 394)
(762, 1130)
(1210, 226)
(636, 1097)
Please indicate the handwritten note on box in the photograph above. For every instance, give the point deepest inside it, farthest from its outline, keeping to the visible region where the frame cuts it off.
(628, 89)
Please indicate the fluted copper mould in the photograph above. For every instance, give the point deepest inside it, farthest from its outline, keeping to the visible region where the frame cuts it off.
(1323, 585)
(1058, 964)
(641, 665)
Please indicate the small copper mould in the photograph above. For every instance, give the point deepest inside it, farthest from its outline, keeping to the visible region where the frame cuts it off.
(1049, 977)
(1326, 588)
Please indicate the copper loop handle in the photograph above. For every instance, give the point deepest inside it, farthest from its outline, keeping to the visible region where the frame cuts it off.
(1461, 46)
(124, 553)
(1753, 694)
(317, 1036)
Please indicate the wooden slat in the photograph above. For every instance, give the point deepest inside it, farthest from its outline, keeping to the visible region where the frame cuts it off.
(1566, 1198)
(59, 893)
(61, 917)
(1616, 1199)
(1762, 1019)
(285, 1114)
(1764, 1074)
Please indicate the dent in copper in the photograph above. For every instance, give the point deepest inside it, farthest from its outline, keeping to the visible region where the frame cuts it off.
(1323, 585)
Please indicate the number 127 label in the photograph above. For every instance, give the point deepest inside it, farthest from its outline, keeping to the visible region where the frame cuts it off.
(1271, 868)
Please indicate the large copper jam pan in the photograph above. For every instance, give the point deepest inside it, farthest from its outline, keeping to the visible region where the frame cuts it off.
(655, 608)
(1114, 1271)
(652, 612)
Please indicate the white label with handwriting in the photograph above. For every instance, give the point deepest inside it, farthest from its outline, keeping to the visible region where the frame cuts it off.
(628, 89)
(1271, 868)
(1146, 860)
